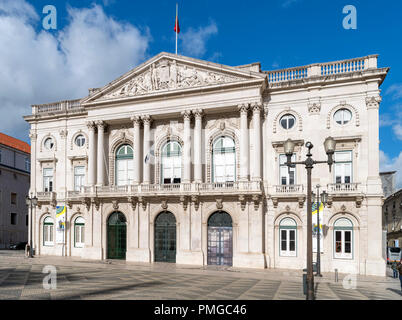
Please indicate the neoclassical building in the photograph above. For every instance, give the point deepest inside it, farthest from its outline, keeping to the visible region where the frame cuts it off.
(181, 160)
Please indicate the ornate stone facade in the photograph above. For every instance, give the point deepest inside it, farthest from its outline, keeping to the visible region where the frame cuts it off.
(225, 128)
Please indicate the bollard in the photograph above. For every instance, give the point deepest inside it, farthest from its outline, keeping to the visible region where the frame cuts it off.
(336, 275)
(305, 282)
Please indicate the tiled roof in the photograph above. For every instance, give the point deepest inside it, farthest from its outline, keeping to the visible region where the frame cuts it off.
(14, 143)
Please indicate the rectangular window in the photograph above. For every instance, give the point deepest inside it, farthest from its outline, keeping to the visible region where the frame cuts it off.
(48, 179)
(79, 235)
(13, 218)
(48, 234)
(343, 167)
(79, 178)
(13, 198)
(27, 164)
(287, 177)
(343, 244)
(288, 242)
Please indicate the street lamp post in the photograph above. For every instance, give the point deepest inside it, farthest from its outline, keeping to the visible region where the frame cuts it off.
(324, 199)
(31, 202)
(329, 145)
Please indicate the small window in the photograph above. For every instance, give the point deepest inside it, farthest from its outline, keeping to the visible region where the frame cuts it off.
(13, 198)
(342, 116)
(288, 121)
(27, 164)
(48, 179)
(287, 237)
(48, 231)
(343, 167)
(343, 239)
(13, 218)
(80, 140)
(49, 143)
(79, 232)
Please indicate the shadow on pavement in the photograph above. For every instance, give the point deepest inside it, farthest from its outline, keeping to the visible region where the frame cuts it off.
(396, 291)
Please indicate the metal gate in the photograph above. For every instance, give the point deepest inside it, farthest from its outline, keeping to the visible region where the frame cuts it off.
(165, 238)
(220, 239)
(116, 236)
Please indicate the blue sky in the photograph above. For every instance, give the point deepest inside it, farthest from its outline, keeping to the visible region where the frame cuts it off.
(277, 33)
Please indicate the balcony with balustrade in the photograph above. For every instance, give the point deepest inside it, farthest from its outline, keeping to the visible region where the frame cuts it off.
(160, 190)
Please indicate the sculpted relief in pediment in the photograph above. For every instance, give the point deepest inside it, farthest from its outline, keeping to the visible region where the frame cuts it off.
(168, 75)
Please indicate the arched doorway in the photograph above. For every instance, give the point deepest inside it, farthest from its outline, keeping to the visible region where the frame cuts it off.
(165, 237)
(220, 239)
(116, 236)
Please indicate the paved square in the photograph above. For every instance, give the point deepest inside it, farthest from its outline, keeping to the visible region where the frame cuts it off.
(22, 278)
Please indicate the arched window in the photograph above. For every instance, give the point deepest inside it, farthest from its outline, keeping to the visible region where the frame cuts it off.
(287, 237)
(79, 232)
(171, 163)
(224, 160)
(124, 165)
(343, 239)
(287, 121)
(48, 231)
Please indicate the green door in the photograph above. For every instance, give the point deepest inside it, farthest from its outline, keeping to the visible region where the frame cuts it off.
(165, 238)
(116, 236)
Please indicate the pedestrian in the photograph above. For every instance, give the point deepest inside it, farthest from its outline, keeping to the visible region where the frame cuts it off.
(400, 272)
(394, 268)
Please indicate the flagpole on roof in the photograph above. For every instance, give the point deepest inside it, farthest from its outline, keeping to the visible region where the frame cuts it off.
(177, 11)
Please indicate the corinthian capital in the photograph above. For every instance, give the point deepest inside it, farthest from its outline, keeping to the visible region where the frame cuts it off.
(373, 102)
(186, 114)
(146, 119)
(100, 124)
(136, 120)
(198, 113)
(256, 107)
(91, 125)
(243, 108)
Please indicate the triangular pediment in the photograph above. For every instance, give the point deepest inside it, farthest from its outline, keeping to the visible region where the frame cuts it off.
(168, 73)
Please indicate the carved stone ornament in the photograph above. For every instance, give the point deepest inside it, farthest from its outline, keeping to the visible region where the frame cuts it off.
(164, 204)
(132, 201)
(329, 202)
(314, 108)
(287, 208)
(256, 200)
(69, 204)
(275, 202)
(168, 75)
(343, 208)
(143, 203)
(219, 204)
(78, 209)
(243, 202)
(87, 203)
(196, 200)
(301, 202)
(96, 203)
(184, 202)
(115, 205)
(359, 201)
(373, 102)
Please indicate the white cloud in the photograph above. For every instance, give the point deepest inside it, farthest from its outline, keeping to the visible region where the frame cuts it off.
(398, 131)
(288, 3)
(395, 90)
(194, 40)
(394, 164)
(39, 66)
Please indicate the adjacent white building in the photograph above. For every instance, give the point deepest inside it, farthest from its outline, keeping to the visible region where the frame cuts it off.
(181, 160)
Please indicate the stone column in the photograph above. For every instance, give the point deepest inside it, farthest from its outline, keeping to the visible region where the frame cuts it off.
(147, 147)
(244, 146)
(92, 154)
(187, 147)
(100, 181)
(198, 146)
(257, 141)
(137, 150)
